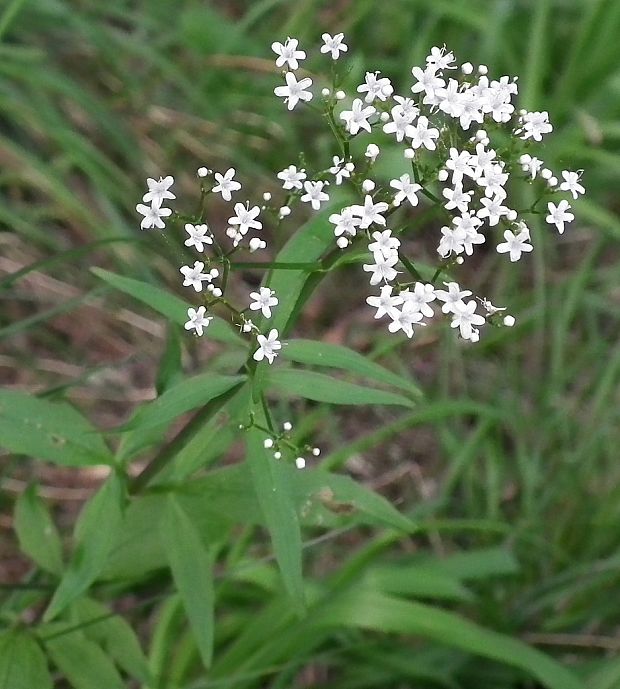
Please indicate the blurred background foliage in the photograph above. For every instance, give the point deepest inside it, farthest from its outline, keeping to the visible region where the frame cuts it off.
(517, 441)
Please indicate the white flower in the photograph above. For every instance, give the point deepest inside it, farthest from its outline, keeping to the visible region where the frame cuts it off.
(460, 162)
(457, 198)
(482, 160)
(559, 214)
(493, 209)
(535, 124)
(315, 194)
(449, 99)
(294, 91)
(245, 218)
(404, 320)
(374, 87)
(571, 183)
(152, 216)
(199, 235)
(427, 80)
(422, 135)
(530, 164)
(385, 303)
(194, 277)
(226, 184)
(451, 242)
(268, 347)
(384, 243)
(382, 269)
(464, 317)
(288, 53)
(339, 170)
(493, 181)
(370, 212)
(334, 45)
(406, 189)
(197, 320)
(346, 222)
(357, 118)
(292, 178)
(158, 191)
(452, 296)
(401, 123)
(440, 59)
(263, 300)
(515, 244)
(471, 109)
(419, 299)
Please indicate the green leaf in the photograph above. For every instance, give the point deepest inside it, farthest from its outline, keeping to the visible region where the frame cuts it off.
(322, 388)
(307, 244)
(180, 398)
(52, 431)
(172, 307)
(96, 531)
(277, 505)
(367, 609)
(36, 532)
(416, 580)
(314, 353)
(115, 636)
(339, 493)
(606, 675)
(192, 571)
(22, 663)
(83, 663)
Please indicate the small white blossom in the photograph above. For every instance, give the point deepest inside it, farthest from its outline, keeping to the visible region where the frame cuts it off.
(197, 320)
(357, 118)
(194, 277)
(245, 218)
(384, 243)
(268, 347)
(153, 216)
(339, 170)
(404, 319)
(457, 198)
(464, 317)
(558, 215)
(346, 222)
(314, 194)
(385, 303)
(263, 300)
(571, 183)
(334, 45)
(226, 184)
(159, 191)
(292, 178)
(530, 164)
(382, 269)
(199, 235)
(419, 300)
(371, 212)
(288, 54)
(515, 244)
(440, 59)
(405, 189)
(375, 87)
(493, 210)
(427, 80)
(452, 296)
(423, 135)
(535, 125)
(294, 91)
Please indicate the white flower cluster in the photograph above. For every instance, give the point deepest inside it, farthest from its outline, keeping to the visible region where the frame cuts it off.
(463, 145)
(461, 172)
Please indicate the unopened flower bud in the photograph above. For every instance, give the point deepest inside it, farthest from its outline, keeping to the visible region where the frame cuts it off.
(300, 462)
(367, 186)
(467, 68)
(509, 321)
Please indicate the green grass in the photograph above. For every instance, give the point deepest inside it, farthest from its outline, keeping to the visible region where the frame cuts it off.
(516, 444)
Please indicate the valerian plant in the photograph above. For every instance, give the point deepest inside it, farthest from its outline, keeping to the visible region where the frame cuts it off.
(464, 146)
